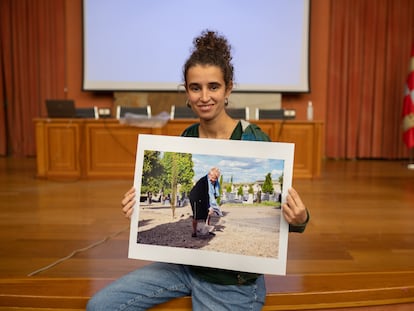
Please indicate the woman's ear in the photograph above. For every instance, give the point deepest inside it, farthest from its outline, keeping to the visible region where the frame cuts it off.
(229, 89)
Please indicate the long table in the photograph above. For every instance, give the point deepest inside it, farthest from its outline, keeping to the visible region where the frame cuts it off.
(105, 148)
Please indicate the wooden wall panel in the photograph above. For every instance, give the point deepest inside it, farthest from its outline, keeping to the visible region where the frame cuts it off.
(59, 149)
(105, 148)
(111, 149)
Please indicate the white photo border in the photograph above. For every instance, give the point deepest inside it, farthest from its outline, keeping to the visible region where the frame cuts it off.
(199, 257)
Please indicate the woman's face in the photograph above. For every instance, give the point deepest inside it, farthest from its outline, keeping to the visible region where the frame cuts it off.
(206, 91)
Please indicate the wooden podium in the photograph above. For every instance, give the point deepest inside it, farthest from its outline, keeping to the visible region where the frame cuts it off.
(104, 148)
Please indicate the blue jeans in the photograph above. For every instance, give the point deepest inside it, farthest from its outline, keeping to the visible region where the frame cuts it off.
(160, 282)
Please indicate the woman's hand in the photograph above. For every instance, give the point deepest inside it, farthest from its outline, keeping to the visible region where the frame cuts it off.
(128, 202)
(293, 209)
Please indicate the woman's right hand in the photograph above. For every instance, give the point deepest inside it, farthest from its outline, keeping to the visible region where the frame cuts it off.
(128, 202)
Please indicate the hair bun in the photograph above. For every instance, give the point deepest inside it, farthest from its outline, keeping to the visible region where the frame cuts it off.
(211, 48)
(211, 41)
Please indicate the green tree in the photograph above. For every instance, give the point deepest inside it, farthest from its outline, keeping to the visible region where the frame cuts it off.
(281, 182)
(251, 191)
(174, 180)
(228, 188)
(240, 191)
(151, 171)
(177, 170)
(268, 184)
(185, 172)
(220, 190)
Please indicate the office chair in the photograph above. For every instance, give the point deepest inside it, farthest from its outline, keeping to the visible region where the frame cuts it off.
(181, 112)
(122, 110)
(90, 112)
(238, 113)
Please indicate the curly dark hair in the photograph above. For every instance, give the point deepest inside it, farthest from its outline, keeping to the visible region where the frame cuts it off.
(210, 48)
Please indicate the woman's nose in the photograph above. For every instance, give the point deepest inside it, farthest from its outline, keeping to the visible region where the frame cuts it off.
(205, 96)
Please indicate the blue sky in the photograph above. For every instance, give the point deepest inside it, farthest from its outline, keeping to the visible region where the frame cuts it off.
(246, 170)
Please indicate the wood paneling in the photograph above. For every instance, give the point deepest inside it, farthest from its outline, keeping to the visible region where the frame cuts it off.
(308, 144)
(58, 147)
(106, 149)
(111, 149)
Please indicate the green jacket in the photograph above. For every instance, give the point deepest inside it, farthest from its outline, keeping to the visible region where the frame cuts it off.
(243, 131)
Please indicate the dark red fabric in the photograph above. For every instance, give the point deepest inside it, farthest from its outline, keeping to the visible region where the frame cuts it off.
(408, 106)
(369, 45)
(32, 68)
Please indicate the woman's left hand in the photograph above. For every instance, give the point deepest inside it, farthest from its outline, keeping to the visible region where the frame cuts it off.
(293, 209)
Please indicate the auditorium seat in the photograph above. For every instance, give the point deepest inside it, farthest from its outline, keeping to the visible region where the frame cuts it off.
(122, 110)
(90, 112)
(181, 112)
(274, 114)
(238, 113)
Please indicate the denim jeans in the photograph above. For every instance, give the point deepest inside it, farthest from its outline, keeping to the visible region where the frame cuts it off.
(160, 282)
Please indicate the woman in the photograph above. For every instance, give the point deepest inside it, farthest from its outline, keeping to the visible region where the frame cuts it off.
(208, 81)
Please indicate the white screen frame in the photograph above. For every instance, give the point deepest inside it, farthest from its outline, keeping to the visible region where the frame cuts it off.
(118, 56)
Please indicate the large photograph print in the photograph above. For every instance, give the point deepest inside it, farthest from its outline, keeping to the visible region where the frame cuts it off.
(210, 202)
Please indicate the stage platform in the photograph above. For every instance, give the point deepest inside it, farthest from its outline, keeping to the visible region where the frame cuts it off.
(357, 252)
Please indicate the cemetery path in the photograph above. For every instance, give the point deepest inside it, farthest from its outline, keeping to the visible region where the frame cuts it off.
(244, 229)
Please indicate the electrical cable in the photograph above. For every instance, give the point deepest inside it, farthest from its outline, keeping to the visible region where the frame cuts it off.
(78, 251)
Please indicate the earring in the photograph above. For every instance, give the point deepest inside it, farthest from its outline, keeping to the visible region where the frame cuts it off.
(226, 101)
(187, 103)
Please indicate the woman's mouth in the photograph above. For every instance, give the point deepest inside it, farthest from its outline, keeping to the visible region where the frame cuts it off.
(205, 107)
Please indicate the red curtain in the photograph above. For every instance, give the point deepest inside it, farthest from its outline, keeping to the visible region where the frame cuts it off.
(370, 45)
(32, 68)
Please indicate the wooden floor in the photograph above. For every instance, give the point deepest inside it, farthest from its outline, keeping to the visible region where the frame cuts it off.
(357, 251)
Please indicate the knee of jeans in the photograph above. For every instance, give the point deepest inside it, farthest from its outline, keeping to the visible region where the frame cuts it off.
(93, 305)
(90, 306)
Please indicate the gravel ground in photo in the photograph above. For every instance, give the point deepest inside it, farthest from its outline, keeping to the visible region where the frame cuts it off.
(244, 229)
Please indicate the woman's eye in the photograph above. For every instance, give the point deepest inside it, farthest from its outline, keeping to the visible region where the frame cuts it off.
(214, 87)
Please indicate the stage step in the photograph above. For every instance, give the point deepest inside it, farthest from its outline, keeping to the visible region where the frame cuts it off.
(292, 292)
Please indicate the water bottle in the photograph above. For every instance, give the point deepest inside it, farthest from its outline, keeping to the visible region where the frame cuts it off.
(309, 111)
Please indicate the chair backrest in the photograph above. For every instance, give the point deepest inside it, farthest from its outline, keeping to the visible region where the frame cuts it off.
(89, 112)
(181, 112)
(238, 113)
(122, 110)
(277, 114)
